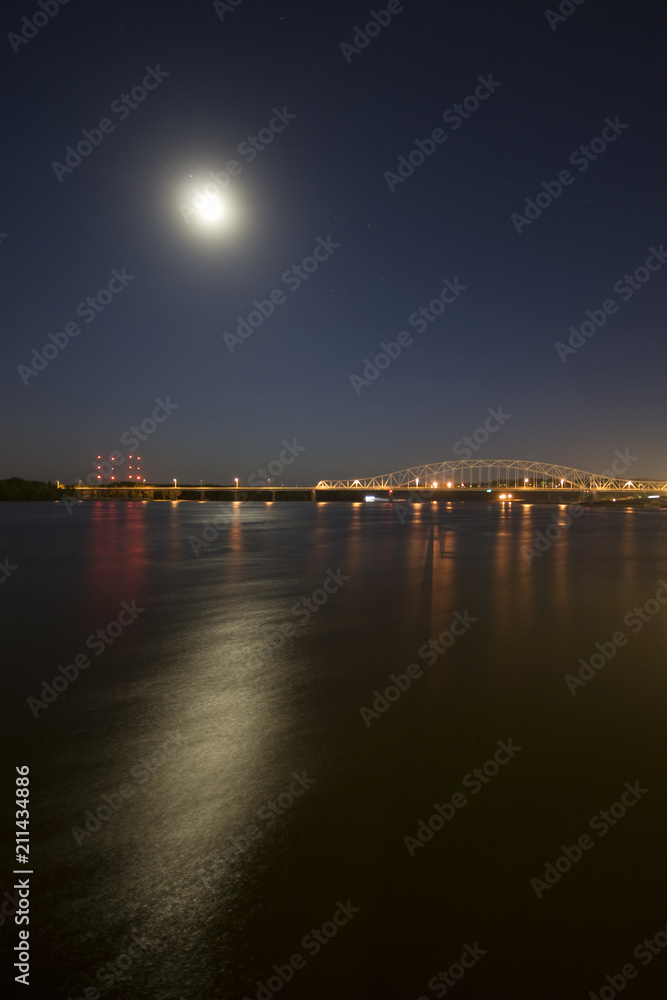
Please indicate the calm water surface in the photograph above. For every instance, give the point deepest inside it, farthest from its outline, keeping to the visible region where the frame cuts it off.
(179, 744)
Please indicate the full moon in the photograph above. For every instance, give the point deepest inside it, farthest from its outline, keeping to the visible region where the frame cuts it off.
(206, 208)
(213, 210)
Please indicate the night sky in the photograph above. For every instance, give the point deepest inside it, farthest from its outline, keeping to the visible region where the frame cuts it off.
(329, 178)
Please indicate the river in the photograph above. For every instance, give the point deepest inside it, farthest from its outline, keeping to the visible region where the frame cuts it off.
(330, 750)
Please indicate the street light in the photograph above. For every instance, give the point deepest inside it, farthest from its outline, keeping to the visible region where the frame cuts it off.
(175, 483)
(236, 480)
(416, 482)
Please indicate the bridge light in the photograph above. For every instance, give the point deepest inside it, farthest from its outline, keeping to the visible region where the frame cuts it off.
(416, 482)
(629, 483)
(435, 486)
(449, 485)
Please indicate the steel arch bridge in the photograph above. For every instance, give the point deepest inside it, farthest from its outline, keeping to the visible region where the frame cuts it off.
(497, 473)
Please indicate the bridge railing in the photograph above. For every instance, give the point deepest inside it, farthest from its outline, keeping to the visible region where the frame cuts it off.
(497, 474)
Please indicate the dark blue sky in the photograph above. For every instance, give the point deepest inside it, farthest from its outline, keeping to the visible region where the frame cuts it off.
(323, 177)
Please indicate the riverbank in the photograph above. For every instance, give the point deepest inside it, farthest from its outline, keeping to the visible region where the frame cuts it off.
(16, 489)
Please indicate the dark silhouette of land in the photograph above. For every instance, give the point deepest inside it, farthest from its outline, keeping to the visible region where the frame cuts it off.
(29, 489)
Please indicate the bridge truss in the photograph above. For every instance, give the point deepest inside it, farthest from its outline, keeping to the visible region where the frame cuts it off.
(497, 473)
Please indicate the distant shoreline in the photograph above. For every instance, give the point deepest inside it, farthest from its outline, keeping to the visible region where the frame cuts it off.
(29, 490)
(26, 490)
